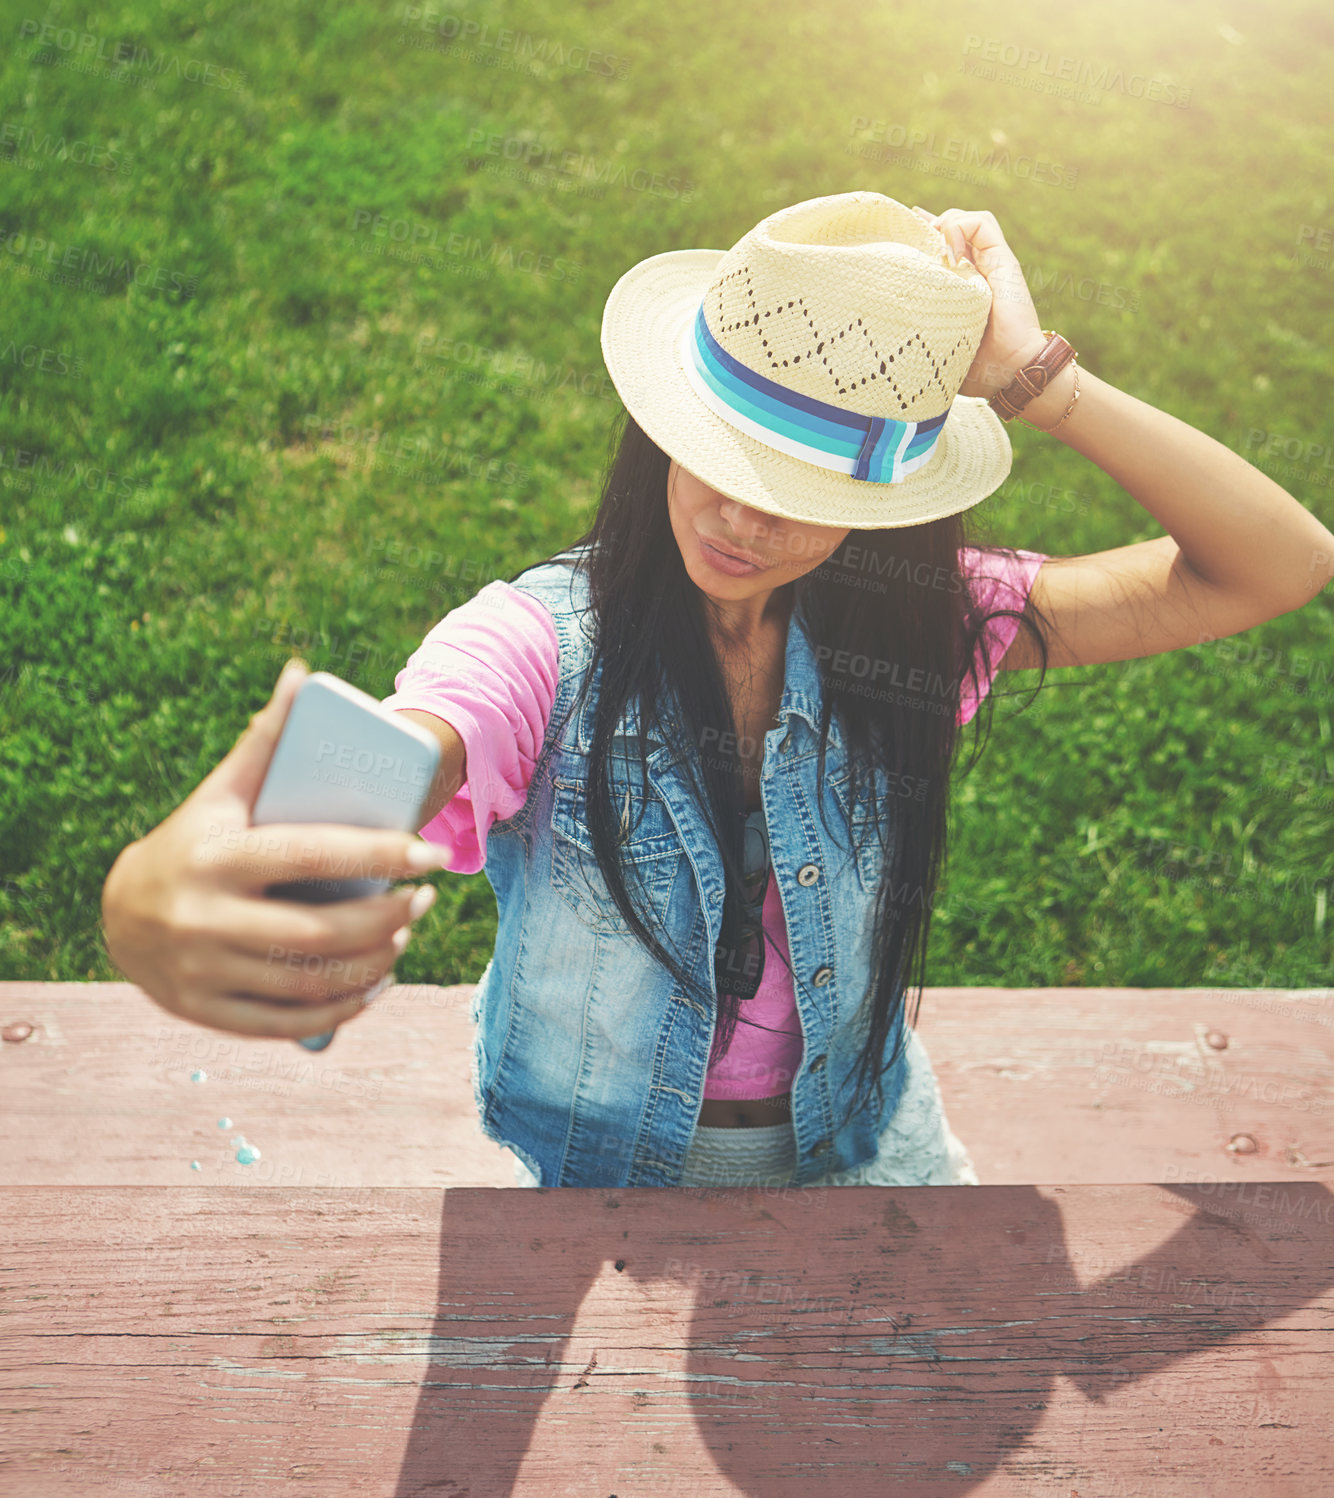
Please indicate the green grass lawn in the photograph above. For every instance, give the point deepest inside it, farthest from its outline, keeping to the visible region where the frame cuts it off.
(289, 363)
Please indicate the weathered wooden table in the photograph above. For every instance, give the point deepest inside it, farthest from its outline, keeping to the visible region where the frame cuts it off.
(356, 1312)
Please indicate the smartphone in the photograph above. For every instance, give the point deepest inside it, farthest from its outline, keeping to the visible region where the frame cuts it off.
(344, 758)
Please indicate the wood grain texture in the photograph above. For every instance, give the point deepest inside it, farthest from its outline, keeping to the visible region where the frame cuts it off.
(100, 1094)
(1060, 1085)
(1098, 1341)
(1107, 1085)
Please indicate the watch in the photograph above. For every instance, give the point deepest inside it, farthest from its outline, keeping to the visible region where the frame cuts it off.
(1030, 381)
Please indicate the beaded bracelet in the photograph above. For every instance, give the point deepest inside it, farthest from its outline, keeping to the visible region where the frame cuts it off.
(1075, 366)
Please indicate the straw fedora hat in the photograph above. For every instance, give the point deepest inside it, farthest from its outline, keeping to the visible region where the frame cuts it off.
(812, 371)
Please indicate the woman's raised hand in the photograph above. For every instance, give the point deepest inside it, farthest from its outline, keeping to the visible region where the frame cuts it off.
(185, 915)
(1014, 334)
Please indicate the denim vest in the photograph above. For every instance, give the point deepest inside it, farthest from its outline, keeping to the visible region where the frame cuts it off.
(588, 1063)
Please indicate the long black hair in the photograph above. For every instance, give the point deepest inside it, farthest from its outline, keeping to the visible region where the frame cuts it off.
(882, 593)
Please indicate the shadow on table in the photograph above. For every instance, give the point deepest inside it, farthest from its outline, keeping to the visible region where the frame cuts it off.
(921, 1342)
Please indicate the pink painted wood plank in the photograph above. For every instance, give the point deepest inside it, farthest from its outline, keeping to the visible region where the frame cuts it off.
(1043, 1085)
(1107, 1085)
(100, 1094)
(1010, 1340)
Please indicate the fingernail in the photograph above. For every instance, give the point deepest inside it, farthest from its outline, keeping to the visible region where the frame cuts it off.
(374, 993)
(422, 901)
(400, 939)
(423, 855)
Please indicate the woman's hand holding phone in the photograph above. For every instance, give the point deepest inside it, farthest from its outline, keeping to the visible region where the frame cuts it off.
(186, 915)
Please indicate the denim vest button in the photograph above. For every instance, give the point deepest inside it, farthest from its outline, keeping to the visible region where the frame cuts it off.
(807, 874)
(820, 1148)
(818, 1063)
(822, 976)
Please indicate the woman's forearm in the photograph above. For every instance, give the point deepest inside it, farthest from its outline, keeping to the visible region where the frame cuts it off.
(1237, 529)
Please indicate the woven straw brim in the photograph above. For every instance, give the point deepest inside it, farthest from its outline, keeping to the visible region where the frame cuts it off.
(642, 324)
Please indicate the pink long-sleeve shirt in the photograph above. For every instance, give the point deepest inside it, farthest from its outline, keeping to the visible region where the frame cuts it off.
(489, 669)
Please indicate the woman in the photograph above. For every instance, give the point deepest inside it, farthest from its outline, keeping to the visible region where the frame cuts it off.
(710, 747)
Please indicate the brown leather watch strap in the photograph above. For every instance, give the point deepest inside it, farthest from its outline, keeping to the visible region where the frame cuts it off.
(1033, 378)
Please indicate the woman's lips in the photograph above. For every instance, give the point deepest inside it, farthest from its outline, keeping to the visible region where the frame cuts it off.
(725, 562)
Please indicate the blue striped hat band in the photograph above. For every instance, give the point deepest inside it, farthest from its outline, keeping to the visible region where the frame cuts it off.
(874, 448)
